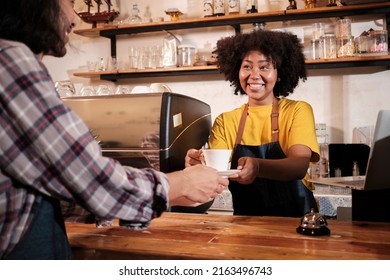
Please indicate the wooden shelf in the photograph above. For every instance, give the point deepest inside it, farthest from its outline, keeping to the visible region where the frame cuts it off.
(158, 72)
(236, 20)
(356, 61)
(112, 31)
(353, 61)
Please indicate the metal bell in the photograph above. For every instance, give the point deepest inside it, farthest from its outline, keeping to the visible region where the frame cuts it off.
(314, 224)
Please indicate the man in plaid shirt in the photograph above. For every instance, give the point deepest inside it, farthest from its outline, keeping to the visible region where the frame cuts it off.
(47, 153)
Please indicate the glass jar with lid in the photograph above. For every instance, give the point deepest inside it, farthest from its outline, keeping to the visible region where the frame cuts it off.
(379, 42)
(362, 45)
(186, 55)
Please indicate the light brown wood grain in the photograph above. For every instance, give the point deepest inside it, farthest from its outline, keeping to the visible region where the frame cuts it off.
(199, 236)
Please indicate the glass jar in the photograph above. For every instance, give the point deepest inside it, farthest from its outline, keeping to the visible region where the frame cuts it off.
(208, 8)
(219, 7)
(379, 42)
(362, 45)
(343, 28)
(318, 30)
(315, 49)
(234, 7)
(186, 55)
(328, 46)
(345, 46)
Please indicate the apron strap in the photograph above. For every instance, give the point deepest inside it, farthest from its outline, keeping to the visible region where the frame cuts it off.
(274, 122)
(242, 124)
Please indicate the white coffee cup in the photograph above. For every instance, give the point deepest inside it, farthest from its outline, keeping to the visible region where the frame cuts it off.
(141, 89)
(159, 87)
(217, 158)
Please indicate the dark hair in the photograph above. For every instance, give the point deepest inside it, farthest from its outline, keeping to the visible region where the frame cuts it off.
(34, 23)
(282, 48)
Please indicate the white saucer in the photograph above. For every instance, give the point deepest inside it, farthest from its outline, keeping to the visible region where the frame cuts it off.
(229, 172)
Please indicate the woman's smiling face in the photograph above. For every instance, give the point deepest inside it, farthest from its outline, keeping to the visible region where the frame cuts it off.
(258, 77)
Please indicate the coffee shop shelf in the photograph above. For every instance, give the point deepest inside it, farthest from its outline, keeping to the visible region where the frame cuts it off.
(111, 31)
(360, 61)
(158, 72)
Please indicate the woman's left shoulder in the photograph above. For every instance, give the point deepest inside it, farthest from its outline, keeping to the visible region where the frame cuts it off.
(289, 104)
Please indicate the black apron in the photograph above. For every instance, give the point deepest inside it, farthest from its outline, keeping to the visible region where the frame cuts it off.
(265, 197)
(46, 238)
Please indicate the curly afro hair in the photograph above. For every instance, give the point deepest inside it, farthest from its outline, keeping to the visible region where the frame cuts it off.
(282, 48)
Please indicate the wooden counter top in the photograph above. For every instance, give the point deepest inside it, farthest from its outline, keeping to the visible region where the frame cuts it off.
(201, 236)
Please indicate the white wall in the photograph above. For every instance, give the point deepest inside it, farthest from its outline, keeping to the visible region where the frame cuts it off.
(341, 98)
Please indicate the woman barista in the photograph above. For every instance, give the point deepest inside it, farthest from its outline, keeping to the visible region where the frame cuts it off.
(273, 137)
(48, 155)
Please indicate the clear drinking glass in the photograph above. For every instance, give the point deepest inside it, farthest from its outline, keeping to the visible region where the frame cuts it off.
(102, 222)
(87, 91)
(104, 90)
(328, 46)
(318, 30)
(103, 64)
(147, 57)
(122, 90)
(91, 64)
(133, 57)
(141, 58)
(113, 64)
(65, 88)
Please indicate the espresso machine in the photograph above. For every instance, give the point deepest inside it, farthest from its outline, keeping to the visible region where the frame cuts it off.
(146, 130)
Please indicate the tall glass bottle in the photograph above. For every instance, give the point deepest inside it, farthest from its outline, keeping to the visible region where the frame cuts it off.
(251, 6)
(355, 169)
(135, 17)
(322, 137)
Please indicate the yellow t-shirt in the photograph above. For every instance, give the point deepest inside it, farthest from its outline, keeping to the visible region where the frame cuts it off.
(296, 126)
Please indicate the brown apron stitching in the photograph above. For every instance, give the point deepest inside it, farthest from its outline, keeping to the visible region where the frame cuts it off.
(274, 120)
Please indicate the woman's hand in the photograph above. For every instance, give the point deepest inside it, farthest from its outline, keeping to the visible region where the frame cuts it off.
(249, 170)
(293, 167)
(193, 157)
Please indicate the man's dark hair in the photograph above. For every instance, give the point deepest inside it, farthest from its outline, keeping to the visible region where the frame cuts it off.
(34, 23)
